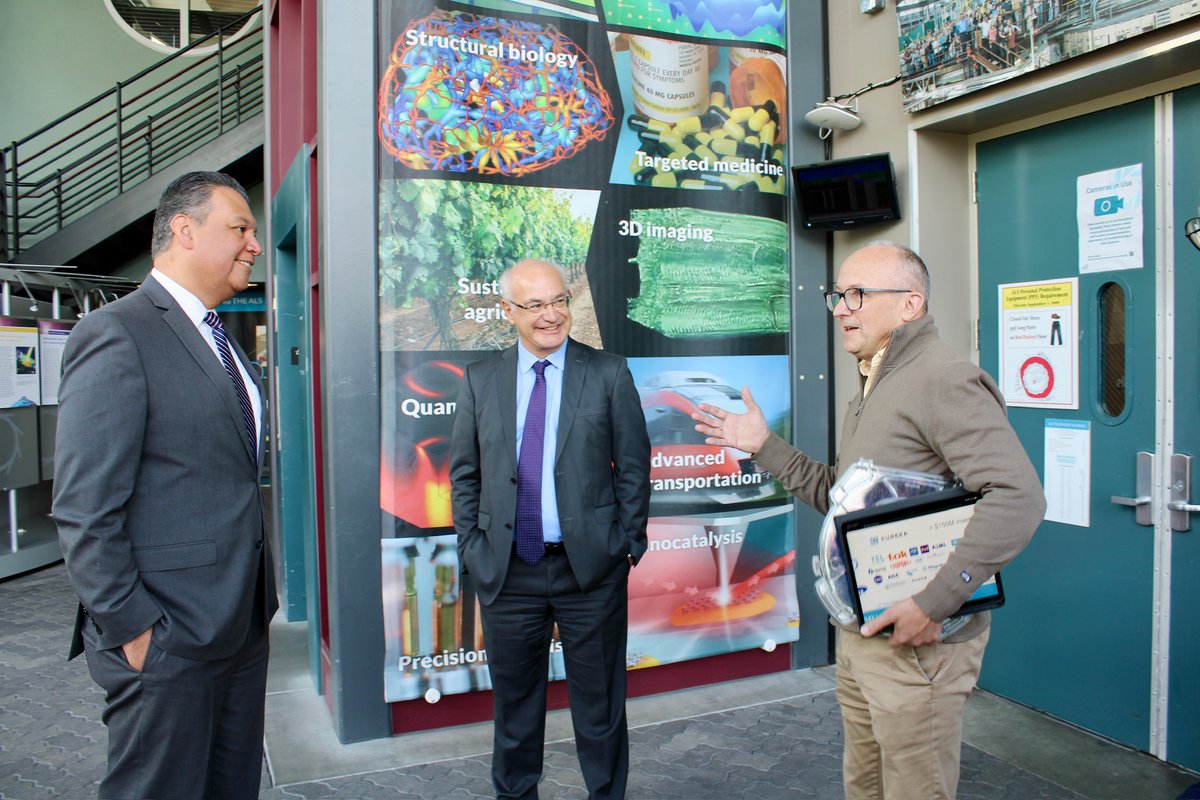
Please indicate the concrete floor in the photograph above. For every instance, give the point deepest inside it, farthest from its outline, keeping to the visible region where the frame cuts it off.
(1011, 752)
(765, 738)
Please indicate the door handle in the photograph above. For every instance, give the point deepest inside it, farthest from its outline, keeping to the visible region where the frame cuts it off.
(1181, 489)
(1145, 482)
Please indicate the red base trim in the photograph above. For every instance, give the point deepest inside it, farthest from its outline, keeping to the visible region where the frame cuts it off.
(461, 709)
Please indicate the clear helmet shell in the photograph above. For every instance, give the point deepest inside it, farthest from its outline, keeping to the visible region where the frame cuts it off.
(863, 485)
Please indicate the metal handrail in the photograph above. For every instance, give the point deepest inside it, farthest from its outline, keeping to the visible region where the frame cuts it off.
(123, 136)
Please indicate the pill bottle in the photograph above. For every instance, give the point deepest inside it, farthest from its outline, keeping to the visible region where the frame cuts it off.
(670, 79)
(757, 82)
(739, 54)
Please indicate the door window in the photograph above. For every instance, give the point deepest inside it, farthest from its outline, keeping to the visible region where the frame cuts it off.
(1111, 370)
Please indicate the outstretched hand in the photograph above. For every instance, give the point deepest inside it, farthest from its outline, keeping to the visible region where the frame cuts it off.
(913, 627)
(747, 432)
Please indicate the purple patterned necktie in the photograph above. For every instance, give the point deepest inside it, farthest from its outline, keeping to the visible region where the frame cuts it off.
(239, 386)
(530, 545)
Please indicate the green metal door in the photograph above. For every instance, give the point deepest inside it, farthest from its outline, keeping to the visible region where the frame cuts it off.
(1087, 632)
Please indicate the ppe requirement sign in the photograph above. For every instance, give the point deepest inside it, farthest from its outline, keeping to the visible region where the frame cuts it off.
(1039, 343)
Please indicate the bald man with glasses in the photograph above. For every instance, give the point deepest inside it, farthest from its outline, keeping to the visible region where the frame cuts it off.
(922, 407)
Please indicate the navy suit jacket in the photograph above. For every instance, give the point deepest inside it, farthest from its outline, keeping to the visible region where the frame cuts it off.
(156, 495)
(601, 467)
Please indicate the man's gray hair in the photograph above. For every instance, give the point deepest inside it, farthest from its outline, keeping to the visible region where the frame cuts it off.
(189, 194)
(912, 266)
(505, 280)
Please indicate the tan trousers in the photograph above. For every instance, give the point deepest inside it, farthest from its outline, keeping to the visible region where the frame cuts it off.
(902, 715)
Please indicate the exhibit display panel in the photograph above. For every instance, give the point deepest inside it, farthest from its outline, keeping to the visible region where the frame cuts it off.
(642, 148)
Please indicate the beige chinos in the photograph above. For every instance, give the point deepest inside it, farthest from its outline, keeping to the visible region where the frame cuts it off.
(902, 715)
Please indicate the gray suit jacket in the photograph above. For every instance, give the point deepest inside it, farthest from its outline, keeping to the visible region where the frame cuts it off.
(602, 467)
(156, 497)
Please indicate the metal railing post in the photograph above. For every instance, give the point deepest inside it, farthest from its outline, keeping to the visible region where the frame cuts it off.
(3, 204)
(221, 82)
(16, 203)
(149, 145)
(120, 145)
(238, 91)
(58, 198)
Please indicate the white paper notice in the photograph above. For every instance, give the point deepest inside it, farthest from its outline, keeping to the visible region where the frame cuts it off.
(52, 337)
(1039, 343)
(1068, 460)
(1109, 215)
(19, 384)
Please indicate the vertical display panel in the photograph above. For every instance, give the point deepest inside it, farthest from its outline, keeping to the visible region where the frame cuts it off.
(641, 147)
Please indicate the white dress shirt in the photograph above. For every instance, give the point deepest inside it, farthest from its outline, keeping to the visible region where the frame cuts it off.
(194, 308)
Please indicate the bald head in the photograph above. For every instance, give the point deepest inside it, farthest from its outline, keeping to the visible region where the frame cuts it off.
(535, 296)
(893, 281)
(911, 272)
(528, 266)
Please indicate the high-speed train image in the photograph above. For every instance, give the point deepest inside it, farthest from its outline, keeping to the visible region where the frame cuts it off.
(683, 469)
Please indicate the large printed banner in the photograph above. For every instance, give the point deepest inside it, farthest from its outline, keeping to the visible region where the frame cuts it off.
(641, 145)
(949, 48)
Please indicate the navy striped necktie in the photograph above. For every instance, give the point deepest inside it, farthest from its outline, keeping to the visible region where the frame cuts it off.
(530, 544)
(239, 386)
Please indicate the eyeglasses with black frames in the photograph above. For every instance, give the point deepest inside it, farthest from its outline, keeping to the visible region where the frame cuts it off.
(537, 307)
(854, 296)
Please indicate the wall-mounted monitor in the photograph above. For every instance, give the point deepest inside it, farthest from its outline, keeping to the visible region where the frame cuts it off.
(847, 192)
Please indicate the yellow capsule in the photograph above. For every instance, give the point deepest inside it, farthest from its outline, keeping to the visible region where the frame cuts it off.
(664, 180)
(765, 184)
(692, 183)
(741, 113)
(758, 120)
(688, 125)
(733, 180)
(670, 139)
(726, 147)
(768, 132)
(752, 140)
(704, 152)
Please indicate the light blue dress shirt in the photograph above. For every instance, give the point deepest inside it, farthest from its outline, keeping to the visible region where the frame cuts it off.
(551, 529)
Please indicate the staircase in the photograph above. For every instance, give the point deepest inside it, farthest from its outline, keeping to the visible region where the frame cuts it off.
(70, 186)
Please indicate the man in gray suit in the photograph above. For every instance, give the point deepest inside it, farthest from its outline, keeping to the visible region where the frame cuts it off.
(159, 512)
(550, 475)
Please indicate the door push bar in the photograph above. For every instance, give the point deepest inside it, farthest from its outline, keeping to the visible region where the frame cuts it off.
(1181, 491)
(1181, 485)
(1145, 484)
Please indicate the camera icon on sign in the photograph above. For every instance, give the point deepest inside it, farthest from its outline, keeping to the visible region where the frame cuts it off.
(1107, 205)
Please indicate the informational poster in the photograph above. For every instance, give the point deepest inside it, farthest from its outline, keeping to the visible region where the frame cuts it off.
(1109, 214)
(1068, 482)
(639, 144)
(52, 340)
(1039, 343)
(19, 363)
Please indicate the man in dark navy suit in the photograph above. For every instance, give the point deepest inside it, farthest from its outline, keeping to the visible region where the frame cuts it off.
(550, 473)
(159, 512)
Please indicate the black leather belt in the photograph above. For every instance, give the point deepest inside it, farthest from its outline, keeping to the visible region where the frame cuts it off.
(552, 549)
